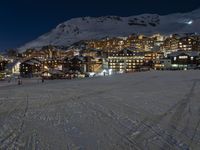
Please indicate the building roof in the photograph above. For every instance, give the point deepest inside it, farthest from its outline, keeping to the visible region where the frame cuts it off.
(54, 71)
(11, 65)
(128, 52)
(79, 58)
(189, 53)
(35, 61)
(32, 61)
(29, 63)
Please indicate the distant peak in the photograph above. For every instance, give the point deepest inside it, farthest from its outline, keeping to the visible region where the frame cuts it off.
(87, 28)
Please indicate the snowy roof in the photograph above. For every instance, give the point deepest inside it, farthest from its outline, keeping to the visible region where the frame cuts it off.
(130, 52)
(35, 61)
(189, 53)
(79, 58)
(29, 63)
(11, 65)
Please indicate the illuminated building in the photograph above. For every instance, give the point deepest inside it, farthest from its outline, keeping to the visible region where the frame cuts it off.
(126, 61)
(184, 60)
(188, 43)
(91, 52)
(52, 63)
(75, 64)
(151, 57)
(13, 67)
(3, 64)
(93, 64)
(45, 52)
(171, 43)
(30, 68)
(83, 64)
(163, 64)
(53, 74)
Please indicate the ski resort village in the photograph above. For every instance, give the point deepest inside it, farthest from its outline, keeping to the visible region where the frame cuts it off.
(104, 83)
(105, 57)
(147, 97)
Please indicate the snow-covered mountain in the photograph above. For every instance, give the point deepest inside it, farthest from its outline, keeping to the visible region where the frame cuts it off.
(87, 28)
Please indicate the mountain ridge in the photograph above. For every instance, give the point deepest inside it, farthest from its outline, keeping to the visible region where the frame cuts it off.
(88, 28)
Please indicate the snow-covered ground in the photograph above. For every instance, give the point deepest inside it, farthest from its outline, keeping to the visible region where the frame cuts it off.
(142, 111)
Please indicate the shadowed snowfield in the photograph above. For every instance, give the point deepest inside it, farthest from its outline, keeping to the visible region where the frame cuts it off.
(139, 111)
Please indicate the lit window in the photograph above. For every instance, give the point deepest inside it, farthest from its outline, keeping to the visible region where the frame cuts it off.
(174, 58)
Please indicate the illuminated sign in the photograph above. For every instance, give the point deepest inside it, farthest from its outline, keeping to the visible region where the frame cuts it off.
(183, 57)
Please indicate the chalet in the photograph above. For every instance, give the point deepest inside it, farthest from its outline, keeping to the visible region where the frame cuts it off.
(163, 64)
(52, 63)
(93, 64)
(31, 67)
(171, 43)
(83, 64)
(187, 43)
(184, 60)
(74, 64)
(13, 67)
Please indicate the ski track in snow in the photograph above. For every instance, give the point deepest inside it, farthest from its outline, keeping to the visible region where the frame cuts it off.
(139, 111)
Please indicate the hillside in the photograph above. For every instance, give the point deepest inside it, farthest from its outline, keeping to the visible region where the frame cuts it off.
(87, 28)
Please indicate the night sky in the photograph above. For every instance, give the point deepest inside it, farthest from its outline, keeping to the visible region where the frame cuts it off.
(24, 20)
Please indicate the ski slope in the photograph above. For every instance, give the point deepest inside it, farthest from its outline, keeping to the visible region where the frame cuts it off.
(140, 111)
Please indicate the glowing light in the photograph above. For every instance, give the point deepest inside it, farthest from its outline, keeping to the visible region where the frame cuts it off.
(104, 71)
(187, 21)
(190, 22)
(110, 71)
(91, 74)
